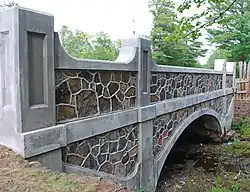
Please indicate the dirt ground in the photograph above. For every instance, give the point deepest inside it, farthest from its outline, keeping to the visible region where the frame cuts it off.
(207, 167)
(190, 167)
(18, 175)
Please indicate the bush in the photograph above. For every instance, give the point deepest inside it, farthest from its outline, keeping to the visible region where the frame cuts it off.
(243, 127)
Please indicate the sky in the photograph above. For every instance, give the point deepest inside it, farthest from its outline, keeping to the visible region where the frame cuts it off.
(114, 17)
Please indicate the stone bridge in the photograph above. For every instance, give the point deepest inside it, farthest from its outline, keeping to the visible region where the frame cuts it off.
(113, 119)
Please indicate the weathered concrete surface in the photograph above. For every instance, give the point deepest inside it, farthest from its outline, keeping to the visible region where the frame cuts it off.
(50, 159)
(10, 120)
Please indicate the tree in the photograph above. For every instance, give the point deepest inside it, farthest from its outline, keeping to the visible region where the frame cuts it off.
(167, 49)
(232, 33)
(76, 44)
(164, 20)
(6, 4)
(193, 24)
(217, 54)
(83, 45)
(104, 48)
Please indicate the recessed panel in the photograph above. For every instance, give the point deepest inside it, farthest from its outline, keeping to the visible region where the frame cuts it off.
(36, 62)
(5, 69)
(145, 71)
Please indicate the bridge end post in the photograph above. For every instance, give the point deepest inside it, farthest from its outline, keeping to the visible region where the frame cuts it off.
(224, 86)
(27, 83)
(234, 76)
(10, 121)
(145, 122)
(228, 113)
(36, 33)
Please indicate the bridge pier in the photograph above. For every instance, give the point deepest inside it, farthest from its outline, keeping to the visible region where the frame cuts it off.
(228, 112)
(147, 180)
(144, 117)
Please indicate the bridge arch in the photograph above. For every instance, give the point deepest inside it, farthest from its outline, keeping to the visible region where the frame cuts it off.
(207, 116)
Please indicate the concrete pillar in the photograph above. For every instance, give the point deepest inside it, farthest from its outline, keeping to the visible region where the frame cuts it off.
(230, 66)
(227, 113)
(224, 77)
(36, 69)
(27, 96)
(10, 113)
(234, 76)
(244, 70)
(224, 86)
(145, 126)
(29, 45)
(240, 70)
(248, 71)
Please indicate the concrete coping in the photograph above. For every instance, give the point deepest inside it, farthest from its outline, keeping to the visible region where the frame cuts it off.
(47, 139)
(176, 69)
(30, 10)
(126, 61)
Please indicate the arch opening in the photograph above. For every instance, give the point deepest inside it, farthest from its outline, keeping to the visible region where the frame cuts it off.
(187, 152)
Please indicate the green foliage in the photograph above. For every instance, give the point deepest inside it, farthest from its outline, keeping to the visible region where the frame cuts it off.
(241, 123)
(238, 148)
(235, 188)
(193, 24)
(232, 33)
(220, 188)
(83, 45)
(170, 47)
(243, 127)
(217, 54)
(187, 4)
(7, 4)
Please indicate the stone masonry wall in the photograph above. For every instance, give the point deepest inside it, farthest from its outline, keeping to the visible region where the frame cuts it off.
(229, 81)
(115, 152)
(172, 85)
(83, 93)
(165, 125)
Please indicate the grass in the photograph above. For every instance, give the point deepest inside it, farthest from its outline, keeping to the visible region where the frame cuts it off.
(242, 126)
(28, 179)
(234, 188)
(230, 184)
(220, 186)
(19, 175)
(239, 148)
